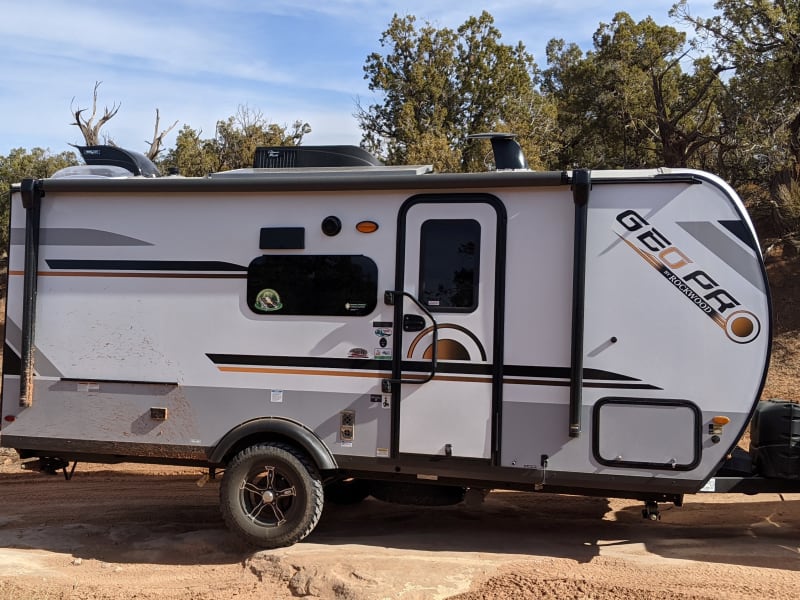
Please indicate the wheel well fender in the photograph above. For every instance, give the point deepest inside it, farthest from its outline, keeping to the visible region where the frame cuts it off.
(261, 429)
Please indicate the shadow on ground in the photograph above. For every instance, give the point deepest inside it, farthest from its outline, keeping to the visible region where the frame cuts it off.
(119, 517)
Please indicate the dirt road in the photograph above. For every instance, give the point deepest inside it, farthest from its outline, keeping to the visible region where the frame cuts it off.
(150, 532)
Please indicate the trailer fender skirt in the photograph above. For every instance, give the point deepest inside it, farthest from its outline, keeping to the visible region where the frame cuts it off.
(266, 427)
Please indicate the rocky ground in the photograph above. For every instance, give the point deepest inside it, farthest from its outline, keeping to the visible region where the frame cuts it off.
(152, 533)
(133, 531)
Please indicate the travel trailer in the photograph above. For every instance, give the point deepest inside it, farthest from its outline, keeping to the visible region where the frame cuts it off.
(323, 327)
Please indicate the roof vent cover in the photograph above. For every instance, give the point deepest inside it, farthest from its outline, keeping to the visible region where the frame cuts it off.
(289, 157)
(508, 155)
(135, 162)
(275, 158)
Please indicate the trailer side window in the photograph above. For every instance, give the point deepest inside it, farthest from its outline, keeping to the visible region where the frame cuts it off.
(448, 270)
(314, 285)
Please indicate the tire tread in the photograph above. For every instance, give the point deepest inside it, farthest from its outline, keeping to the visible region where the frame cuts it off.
(312, 515)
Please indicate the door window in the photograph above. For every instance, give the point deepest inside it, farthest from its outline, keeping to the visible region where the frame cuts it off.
(449, 261)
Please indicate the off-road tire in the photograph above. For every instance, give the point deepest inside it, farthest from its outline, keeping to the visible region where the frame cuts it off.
(271, 495)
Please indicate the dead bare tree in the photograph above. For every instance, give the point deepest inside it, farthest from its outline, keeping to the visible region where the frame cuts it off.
(158, 138)
(89, 127)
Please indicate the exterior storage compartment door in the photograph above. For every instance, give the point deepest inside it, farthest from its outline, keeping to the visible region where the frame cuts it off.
(652, 434)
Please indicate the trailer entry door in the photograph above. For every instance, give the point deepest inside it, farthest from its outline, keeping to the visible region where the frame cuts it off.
(448, 264)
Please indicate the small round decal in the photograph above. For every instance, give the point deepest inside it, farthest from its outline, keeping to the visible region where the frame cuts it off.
(268, 300)
(742, 327)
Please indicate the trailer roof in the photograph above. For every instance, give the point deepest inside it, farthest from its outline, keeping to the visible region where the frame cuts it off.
(352, 179)
(373, 170)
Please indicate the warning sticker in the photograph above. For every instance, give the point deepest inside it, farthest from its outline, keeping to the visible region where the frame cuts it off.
(383, 353)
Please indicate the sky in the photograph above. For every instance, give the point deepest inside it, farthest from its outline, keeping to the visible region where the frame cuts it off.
(197, 61)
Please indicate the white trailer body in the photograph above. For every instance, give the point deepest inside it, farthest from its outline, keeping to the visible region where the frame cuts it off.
(604, 332)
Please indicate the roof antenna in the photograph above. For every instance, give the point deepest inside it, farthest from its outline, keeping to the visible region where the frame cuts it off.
(508, 155)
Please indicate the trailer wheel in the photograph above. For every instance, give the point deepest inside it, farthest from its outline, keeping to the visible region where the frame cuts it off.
(271, 495)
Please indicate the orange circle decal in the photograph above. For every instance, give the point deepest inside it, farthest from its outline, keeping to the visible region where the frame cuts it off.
(742, 327)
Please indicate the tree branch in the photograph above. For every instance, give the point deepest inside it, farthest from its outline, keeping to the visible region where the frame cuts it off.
(158, 138)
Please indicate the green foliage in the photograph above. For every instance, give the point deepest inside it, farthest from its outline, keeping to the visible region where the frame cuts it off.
(20, 164)
(758, 39)
(628, 102)
(789, 195)
(192, 156)
(233, 145)
(436, 87)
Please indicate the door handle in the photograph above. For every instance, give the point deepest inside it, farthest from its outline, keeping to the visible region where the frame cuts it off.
(413, 323)
(409, 320)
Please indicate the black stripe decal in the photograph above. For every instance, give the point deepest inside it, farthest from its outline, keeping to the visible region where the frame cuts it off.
(742, 231)
(567, 383)
(11, 361)
(253, 360)
(144, 265)
(414, 366)
(562, 373)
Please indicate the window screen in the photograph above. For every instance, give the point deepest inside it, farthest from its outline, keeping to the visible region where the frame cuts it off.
(449, 258)
(312, 285)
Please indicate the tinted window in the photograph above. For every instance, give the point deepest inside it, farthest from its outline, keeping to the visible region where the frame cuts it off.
(312, 285)
(449, 256)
